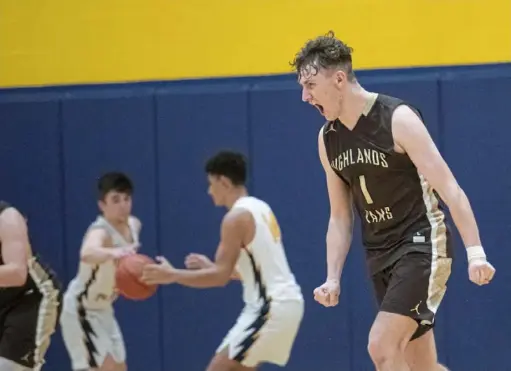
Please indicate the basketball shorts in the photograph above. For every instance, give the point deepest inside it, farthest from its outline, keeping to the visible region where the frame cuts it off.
(264, 335)
(27, 325)
(414, 286)
(90, 336)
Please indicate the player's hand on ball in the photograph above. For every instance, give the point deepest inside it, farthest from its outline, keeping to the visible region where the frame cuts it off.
(480, 271)
(328, 293)
(120, 252)
(162, 273)
(197, 261)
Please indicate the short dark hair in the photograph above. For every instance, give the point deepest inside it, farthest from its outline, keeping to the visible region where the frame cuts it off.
(230, 164)
(324, 52)
(114, 181)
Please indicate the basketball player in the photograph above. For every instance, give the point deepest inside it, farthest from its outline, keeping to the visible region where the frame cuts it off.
(29, 297)
(378, 155)
(90, 330)
(251, 244)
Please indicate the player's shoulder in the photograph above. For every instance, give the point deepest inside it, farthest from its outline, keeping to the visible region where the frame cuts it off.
(385, 100)
(253, 204)
(97, 229)
(242, 213)
(327, 127)
(399, 108)
(9, 211)
(4, 205)
(321, 140)
(235, 221)
(405, 113)
(135, 221)
(11, 219)
(98, 224)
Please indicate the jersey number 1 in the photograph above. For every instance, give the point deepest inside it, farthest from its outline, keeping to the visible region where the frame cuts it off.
(365, 192)
(273, 226)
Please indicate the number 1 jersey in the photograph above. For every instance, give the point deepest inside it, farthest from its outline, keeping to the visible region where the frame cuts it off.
(399, 210)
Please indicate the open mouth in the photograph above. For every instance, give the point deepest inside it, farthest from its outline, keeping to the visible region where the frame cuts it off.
(320, 108)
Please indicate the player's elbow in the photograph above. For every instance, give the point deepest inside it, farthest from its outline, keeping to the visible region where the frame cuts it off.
(90, 256)
(452, 194)
(223, 281)
(19, 275)
(222, 278)
(86, 256)
(341, 216)
(341, 225)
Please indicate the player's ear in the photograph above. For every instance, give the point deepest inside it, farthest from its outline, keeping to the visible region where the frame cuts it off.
(340, 77)
(101, 205)
(226, 183)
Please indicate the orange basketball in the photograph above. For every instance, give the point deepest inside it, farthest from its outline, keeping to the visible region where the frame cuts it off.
(128, 274)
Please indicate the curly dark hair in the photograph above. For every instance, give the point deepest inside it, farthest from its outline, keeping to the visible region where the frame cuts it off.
(324, 52)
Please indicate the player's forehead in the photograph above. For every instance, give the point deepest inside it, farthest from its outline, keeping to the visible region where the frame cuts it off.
(310, 73)
(115, 195)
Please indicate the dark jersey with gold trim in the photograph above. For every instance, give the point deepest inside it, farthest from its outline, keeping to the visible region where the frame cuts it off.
(399, 210)
(37, 275)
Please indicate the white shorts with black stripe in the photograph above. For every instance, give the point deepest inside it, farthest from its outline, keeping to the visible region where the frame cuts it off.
(91, 335)
(264, 335)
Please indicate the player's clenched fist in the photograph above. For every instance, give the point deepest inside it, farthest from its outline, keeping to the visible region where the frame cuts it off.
(480, 272)
(328, 293)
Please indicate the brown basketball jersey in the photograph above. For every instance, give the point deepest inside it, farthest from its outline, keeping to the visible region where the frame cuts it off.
(399, 210)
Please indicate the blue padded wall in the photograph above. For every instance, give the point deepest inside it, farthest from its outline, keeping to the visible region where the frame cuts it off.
(55, 142)
(103, 132)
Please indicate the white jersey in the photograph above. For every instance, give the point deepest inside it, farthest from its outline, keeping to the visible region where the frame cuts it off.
(94, 285)
(263, 265)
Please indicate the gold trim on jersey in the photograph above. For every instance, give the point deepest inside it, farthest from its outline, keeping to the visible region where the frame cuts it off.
(48, 310)
(440, 263)
(369, 103)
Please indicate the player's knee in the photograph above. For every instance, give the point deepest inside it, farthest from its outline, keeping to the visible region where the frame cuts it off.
(380, 351)
(383, 349)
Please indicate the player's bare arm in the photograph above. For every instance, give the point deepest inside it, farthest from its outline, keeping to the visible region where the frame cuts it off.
(15, 248)
(412, 137)
(236, 228)
(95, 248)
(339, 233)
(340, 224)
(200, 261)
(236, 225)
(235, 276)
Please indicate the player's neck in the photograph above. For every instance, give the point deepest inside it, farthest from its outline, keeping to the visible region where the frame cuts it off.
(117, 224)
(234, 196)
(353, 105)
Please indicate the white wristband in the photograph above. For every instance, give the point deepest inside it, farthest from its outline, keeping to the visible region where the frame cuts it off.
(475, 252)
